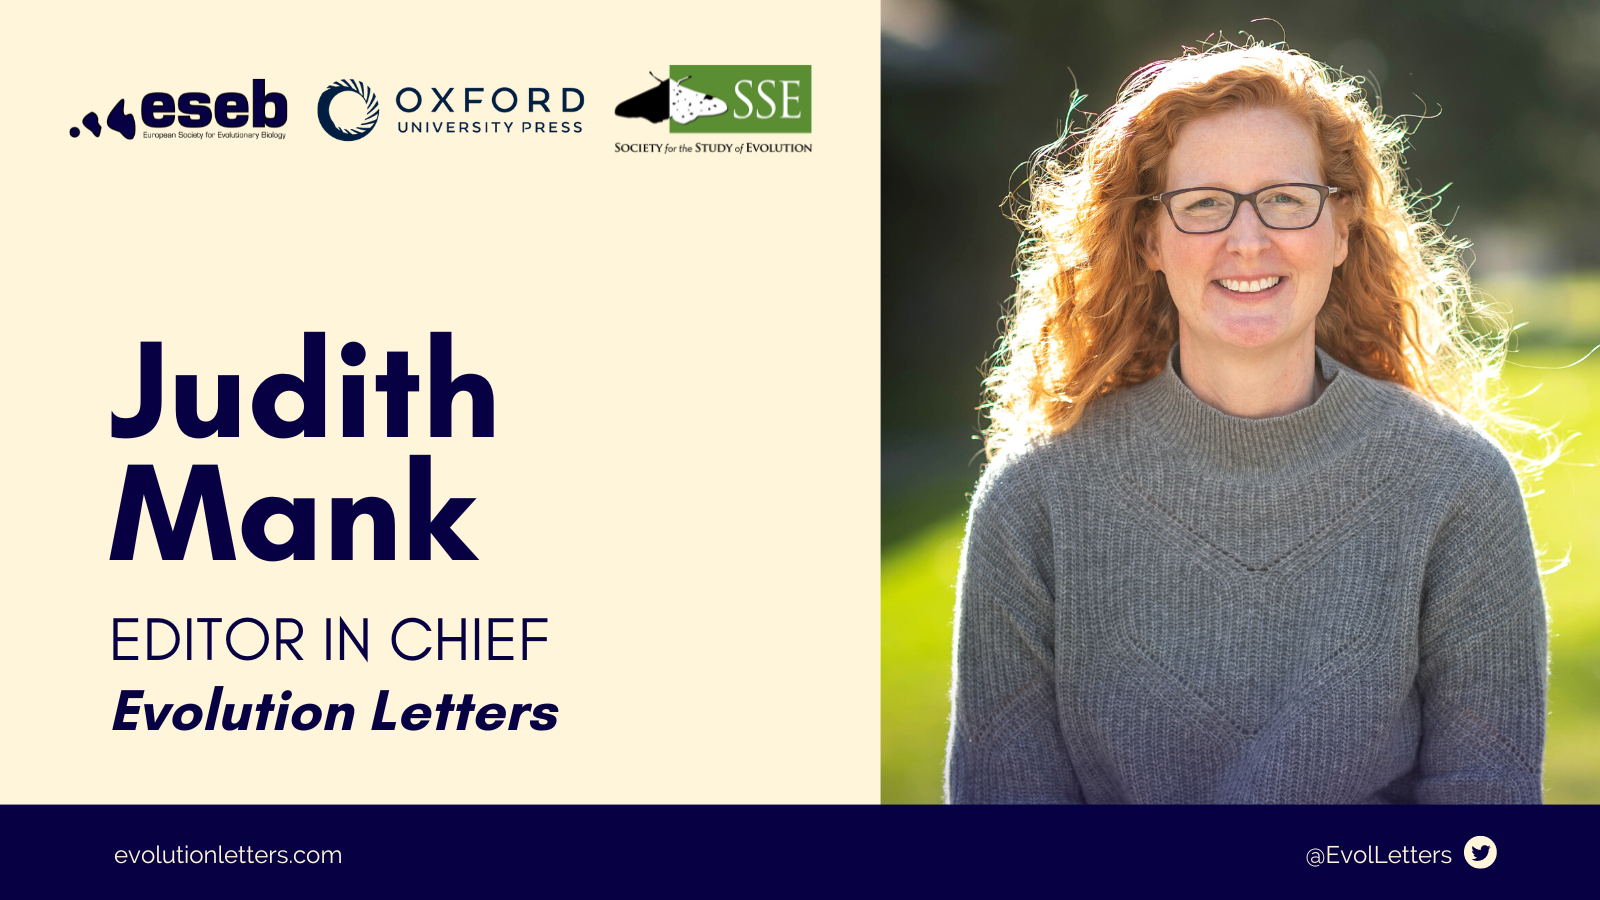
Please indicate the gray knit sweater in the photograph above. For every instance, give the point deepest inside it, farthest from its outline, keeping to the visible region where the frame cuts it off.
(1168, 604)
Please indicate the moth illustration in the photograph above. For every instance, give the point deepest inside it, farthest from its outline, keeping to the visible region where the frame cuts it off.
(670, 98)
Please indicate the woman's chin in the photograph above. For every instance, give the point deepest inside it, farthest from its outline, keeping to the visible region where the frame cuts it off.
(1248, 333)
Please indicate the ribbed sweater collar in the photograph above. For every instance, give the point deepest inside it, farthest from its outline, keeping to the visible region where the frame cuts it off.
(1232, 446)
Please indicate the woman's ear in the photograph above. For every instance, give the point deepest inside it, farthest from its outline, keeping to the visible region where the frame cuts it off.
(1341, 233)
(1149, 249)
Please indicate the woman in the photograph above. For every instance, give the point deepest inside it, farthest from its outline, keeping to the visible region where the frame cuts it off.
(1244, 537)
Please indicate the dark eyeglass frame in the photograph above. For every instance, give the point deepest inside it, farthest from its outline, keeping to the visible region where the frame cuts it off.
(1241, 199)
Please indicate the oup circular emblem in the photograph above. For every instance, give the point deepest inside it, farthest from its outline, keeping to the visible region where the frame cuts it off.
(347, 134)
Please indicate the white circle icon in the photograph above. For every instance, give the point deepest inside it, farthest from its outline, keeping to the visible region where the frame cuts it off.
(1480, 852)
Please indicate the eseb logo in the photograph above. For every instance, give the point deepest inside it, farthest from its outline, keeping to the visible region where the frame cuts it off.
(727, 100)
(194, 111)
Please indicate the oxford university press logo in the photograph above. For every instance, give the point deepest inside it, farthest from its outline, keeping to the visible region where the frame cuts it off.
(325, 103)
(727, 100)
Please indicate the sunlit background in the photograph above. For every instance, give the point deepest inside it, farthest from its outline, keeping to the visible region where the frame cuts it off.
(1507, 105)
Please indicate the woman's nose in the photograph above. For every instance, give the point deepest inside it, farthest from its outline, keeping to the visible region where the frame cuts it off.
(1247, 234)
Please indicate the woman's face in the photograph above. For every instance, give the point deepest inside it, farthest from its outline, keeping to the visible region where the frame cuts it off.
(1222, 283)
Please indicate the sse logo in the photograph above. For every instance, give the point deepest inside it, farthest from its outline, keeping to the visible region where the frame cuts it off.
(262, 109)
(727, 100)
(670, 98)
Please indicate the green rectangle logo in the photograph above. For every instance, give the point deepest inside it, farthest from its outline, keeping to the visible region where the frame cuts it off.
(771, 99)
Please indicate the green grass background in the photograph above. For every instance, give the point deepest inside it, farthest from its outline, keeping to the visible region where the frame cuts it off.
(922, 546)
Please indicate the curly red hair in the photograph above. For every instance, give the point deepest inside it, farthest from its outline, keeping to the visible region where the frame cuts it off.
(1090, 317)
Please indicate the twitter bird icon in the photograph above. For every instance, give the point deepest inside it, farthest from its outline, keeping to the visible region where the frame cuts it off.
(1480, 852)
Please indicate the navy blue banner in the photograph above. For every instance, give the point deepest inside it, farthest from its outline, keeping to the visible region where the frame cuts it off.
(787, 849)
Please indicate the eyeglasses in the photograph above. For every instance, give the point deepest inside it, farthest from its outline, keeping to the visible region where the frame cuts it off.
(1207, 210)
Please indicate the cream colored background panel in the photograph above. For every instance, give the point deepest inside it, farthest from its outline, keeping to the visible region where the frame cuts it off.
(683, 350)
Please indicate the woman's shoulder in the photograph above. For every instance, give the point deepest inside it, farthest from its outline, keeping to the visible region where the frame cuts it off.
(1013, 477)
(1014, 503)
(1434, 438)
(1030, 473)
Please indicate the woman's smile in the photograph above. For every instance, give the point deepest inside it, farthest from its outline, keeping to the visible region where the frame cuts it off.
(1259, 288)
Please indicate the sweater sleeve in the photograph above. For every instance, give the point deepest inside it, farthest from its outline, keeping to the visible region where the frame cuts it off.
(1482, 663)
(1005, 741)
